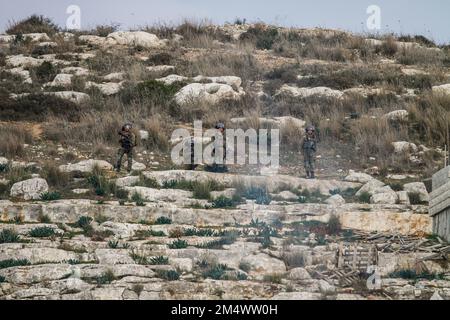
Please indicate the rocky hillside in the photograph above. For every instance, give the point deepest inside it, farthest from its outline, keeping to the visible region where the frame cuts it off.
(72, 228)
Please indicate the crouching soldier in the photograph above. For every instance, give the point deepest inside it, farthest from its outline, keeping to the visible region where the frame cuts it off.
(127, 142)
(309, 147)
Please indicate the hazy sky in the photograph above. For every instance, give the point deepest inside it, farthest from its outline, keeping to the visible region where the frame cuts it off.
(429, 18)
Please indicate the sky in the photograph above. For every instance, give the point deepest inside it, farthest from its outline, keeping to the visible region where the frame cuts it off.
(428, 18)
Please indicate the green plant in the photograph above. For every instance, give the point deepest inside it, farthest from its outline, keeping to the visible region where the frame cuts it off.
(106, 278)
(113, 244)
(273, 278)
(50, 196)
(45, 72)
(42, 232)
(414, 275)
(223, 202)
(43, 218)
(14, 263)
(2, 279)
(178, 244)
(84, 222)
(33, 24)
(244, 266)
(334, 225)
(215, 272)
(160, 260)
(137, 288)
(364, 197)
(415, 198)
(163, 220)
(169, 275)
(9, 236)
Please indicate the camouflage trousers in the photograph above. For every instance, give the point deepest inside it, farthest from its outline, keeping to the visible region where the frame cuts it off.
(120, 154)
(309, 160)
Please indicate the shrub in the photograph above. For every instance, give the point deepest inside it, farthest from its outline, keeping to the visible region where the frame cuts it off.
(101, 184)
(9, 236)
(2, 279)
(45, 72)
(113, 244)
(178, 244)
(84, 222)
(215, 272)
(223, 202)
(106, 278)
(43, 218)
(150, 90)
(273, 278)
(263, 36)
(50, 196)
(158, 133)
(364, 197)
(163, 220)
(13, 139)
(169, 275)
(414, 198)
(33, 24)
(160, 260)
(14, 263)
(55, 177)
(389, 47)
(294, 259)
(414, 275)
(202, 190)
(38, 107)
(334, 225)
(42, 232)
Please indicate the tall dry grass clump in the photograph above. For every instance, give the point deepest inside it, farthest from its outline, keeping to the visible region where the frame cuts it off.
(13, 138)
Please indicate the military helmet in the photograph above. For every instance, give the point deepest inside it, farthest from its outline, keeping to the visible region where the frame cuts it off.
(128, 126)
(220, 125)
(310, 128)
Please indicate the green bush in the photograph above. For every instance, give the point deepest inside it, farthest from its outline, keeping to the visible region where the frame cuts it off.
(2, 279)
(364, 197)
(414, 275)
(9, 236)
(178, 244)
(224, 202)
(414, 198)
(113, 244)
(14, 263)
(38, 107)
(50, 196)
(106, 278)
(169, 275)
(264, 37)
(334, 225)
(160, 260)
(101, 184)
(150, 90)
(215, 272)
(33, 24)
(163, 220)
(42, 232)
(45, 72)
(84, 222)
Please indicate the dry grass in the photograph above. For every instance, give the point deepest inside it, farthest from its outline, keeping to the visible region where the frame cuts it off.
(32, 24)
(159, 132)
(13, 138)
(420, 56)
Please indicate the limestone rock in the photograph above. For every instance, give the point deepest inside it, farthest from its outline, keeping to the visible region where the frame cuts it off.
(299, 274)
(108, 89)
(23, 61)
(31, 189)
(77, 71)
(404, 147)
(61, 80)
(160, 71)
(76, 97)
(115, 76)
(419, 188)
(210, 93)
(86, 166)
(335, 200)
(384, 198)
(370, 187)
(150, 194)
(137, 38)
(360, 177)
(442, 89)
(171, 79)
(264, 264)
(127, 181)
(397, 115)
(296, 92)
(144, 135)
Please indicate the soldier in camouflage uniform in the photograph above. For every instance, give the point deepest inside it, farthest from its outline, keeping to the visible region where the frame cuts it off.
(128, 142)
(309, 147)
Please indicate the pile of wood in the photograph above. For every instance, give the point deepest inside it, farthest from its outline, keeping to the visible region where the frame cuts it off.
(397, 243)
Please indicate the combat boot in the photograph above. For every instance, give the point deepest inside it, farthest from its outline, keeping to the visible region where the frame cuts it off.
(312, 175)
